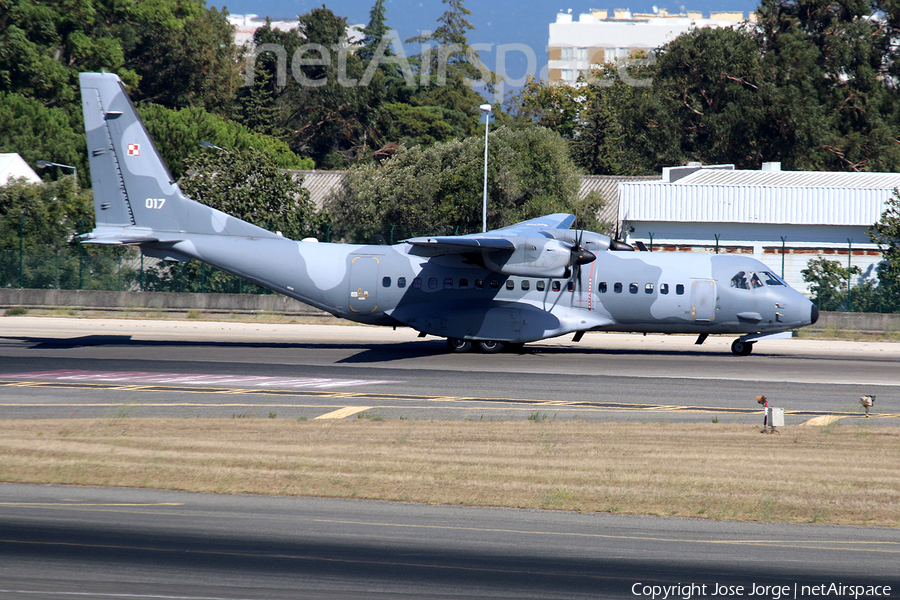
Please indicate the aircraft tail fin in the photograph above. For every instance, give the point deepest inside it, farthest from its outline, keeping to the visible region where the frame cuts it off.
(136, 200)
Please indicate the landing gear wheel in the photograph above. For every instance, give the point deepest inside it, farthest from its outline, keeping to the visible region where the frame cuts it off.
(740, 348)
(458, 345)
(490, 346)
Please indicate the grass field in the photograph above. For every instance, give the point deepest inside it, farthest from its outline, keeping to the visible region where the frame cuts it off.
(832, 474)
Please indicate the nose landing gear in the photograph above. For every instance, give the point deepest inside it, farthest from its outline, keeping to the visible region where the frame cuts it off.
(741, 348)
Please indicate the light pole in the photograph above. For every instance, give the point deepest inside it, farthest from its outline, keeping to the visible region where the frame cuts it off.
(46, 163)
(486, 109)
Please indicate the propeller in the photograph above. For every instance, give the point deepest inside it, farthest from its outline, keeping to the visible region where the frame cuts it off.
(579, 256)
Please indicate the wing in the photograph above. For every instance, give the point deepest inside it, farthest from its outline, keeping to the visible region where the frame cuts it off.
(528, 249)
(502, 239)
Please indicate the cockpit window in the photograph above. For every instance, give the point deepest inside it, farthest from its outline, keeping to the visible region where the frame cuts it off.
(740, 281)
(755, 281)
(772, 279)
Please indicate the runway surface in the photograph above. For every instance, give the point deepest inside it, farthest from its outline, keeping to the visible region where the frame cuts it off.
(76, 542)
(56, 367)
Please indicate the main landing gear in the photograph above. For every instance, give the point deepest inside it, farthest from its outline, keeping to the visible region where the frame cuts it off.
(741, 348)
(458, 346)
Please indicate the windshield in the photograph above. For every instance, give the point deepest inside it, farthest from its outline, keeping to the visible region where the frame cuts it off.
(747, 281)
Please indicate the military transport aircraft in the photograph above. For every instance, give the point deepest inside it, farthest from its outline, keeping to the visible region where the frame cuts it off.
(526, 282)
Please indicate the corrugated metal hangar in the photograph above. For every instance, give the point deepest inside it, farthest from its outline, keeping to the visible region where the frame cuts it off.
(783, 218)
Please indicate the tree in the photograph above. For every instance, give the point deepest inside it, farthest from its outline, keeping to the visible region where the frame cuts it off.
(448, 67)
(438, 189)
(886, 233)
(249, 185)
(37, 132)
(178, 134)
(829, 282)
(176, 52)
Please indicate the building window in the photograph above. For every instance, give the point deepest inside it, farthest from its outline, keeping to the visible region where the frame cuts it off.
(566, 54)
(568, 74)
(581, 53)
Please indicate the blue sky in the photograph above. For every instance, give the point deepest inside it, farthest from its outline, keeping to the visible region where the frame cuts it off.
(495, 22)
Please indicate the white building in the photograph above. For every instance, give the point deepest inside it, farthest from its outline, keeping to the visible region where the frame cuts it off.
(783, 218)
(12, 166)
(596, 38)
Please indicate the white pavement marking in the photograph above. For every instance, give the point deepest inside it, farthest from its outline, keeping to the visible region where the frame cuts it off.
(192, 379)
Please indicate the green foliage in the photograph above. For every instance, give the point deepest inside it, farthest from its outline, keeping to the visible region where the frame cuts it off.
(438, 190)
(829, 282)
(886, 233)
(37, 132)
(37, 223)
(178, 134)
(249, 185)
(174, 52)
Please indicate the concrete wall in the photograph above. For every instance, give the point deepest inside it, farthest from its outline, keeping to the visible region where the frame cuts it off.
(253, 303)
(169, 302)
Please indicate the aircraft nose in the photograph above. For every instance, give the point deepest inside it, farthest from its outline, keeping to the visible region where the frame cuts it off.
(813, 314)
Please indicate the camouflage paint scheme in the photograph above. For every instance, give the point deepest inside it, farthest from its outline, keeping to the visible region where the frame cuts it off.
(522, 283)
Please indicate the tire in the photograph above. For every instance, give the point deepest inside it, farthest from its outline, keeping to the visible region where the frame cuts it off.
(490, 346)
(740, 348)
(458, 346)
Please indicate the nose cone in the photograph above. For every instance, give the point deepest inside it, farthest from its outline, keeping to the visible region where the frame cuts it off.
(813, 314)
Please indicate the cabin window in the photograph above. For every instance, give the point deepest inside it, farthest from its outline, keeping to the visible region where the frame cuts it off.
(526, 285)
(648, 288)
(510, 284)
(448, 283)
(617, 287)
(495, 284)
(679, 289)
(417, 283)
(540, 285)
(463, 284)
(555, 286)
(602, 287)
(432, 283)
(401, 282)
(570, 286)
(479, 284)
(385, 282)
(632, 288)
(664, 288)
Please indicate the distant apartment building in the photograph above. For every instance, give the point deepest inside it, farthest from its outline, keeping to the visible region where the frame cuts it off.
(598, 37)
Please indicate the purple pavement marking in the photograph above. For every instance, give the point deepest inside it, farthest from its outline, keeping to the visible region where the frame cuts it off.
(190, 379)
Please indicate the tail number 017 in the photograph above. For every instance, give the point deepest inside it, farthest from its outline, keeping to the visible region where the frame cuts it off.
(155, 203)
